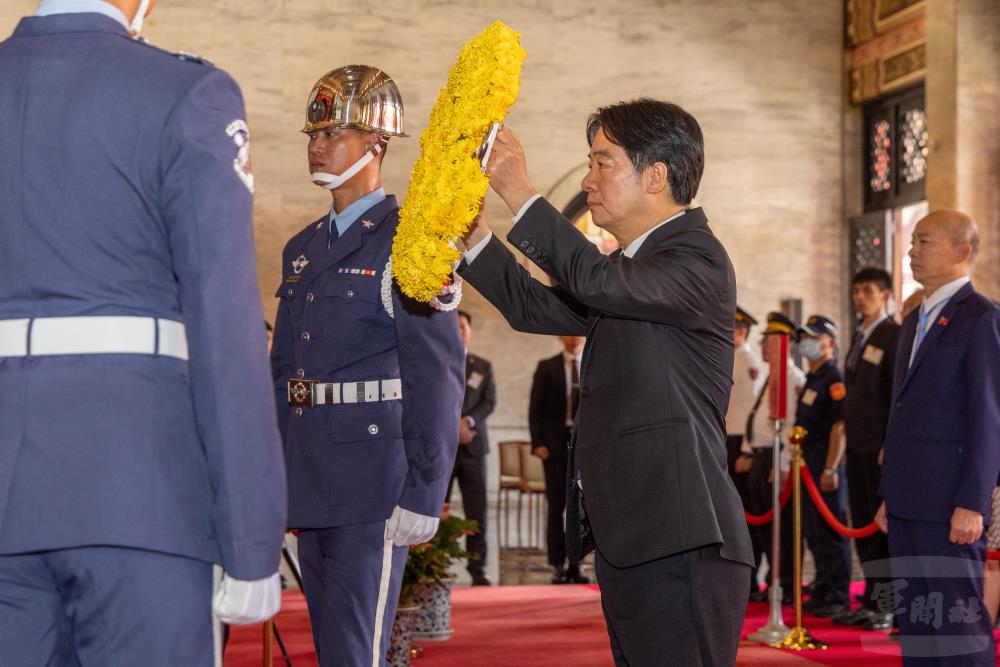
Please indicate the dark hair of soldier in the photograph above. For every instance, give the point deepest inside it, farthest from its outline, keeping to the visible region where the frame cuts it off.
(873, 274)
(652, 131)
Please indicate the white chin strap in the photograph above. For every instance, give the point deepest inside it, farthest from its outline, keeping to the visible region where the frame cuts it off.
(140, 14)
(334, 181)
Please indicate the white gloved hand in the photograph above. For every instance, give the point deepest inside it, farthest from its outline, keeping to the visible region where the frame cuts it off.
(239, 602)
(406, 528)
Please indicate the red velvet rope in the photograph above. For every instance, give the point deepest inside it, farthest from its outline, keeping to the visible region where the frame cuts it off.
(817, 498)
(768, 516)
(827, 515)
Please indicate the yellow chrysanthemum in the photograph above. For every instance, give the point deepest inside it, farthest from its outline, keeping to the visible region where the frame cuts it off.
(446, 185)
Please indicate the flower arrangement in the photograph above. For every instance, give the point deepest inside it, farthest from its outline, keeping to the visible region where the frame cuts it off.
(430, 561)
(446, 184)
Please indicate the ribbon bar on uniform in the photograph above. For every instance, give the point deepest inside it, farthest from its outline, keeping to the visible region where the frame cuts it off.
(310, 393)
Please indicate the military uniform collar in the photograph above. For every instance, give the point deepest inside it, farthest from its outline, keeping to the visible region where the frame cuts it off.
(74, 22)
(355, 210)
(822, 369)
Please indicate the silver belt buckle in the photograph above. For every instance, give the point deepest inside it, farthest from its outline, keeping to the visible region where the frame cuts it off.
(301, 393)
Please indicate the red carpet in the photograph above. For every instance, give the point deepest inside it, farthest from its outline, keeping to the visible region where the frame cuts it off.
(555, 626)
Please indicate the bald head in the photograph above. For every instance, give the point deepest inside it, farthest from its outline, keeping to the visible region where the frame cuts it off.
(945, 243)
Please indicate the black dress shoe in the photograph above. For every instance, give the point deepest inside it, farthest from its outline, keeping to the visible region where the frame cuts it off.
(830, 610)
(559, 576)
(858, 617)
(811, 603)
(481, 580)
(878, 621)
(759, 596)
(574, 576)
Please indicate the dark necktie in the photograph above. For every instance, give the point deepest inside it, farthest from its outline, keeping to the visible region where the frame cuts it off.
(855, 352)
(574, 389)
(333, 235)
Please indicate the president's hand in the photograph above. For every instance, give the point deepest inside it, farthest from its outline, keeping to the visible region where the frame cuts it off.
(508, 171)
(966, 526)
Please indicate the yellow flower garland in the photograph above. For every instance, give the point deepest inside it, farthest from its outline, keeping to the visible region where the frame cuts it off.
(446, 185)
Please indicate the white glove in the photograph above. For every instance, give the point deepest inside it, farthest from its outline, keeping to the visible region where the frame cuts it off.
(240, 602)
(405, 527)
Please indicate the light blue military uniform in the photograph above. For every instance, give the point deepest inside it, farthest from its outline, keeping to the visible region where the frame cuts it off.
(352, 460)
(126, 472)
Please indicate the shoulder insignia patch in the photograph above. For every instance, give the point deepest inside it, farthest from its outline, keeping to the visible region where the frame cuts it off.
(838, 391)
(194, 58)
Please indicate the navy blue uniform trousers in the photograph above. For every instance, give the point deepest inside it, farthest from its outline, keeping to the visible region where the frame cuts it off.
(937, 594)
(351, 619)
(105, 606)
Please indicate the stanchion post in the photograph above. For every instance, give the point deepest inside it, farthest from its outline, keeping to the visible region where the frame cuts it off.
(269, 642)
(798, 638)
(775, 629)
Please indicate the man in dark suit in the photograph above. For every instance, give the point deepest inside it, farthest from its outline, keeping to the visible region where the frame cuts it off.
(868, 378)
(555, 397)
(673, 551)
(473, 446)
(941, 455)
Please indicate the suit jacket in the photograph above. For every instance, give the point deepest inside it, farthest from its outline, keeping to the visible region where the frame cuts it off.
(547, 407)
(655, 377)
(941, 447)
(145, 212)
(480, 399)
(354, 462)
(869, 390)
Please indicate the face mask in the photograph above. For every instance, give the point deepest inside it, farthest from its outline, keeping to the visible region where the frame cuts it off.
(334, 181)
(811, 349)
(140, 14)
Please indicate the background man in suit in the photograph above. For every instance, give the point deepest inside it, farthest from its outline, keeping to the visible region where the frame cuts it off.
(128, 291)
(473, 445)
(555, 397)
(868, 372)
(673, 551)
(369, 386)
(941, 457)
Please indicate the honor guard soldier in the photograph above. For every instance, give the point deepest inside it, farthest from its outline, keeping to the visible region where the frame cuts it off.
(820, 412)
(369, 383)
(139, 443)
(747, 379)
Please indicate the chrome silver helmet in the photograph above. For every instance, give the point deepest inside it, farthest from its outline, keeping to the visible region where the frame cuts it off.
(356, 96)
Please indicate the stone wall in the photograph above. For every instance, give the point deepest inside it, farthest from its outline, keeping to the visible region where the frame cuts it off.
(764, 78)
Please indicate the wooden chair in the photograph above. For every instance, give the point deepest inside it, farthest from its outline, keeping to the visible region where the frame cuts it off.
(533, 484)
(510, 480)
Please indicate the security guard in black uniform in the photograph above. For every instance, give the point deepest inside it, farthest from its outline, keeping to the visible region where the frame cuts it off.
(820, 412)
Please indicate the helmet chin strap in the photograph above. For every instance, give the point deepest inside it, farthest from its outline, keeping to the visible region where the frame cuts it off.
(334, 181)
(140, 15)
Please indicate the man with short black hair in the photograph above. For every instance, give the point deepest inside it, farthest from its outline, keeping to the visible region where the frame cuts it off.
(868, 373)
(673, 551)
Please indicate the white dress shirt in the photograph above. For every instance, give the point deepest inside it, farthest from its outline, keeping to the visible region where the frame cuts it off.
(748, 378)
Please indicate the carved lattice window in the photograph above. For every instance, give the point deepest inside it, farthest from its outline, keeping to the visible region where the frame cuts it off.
(895, 150)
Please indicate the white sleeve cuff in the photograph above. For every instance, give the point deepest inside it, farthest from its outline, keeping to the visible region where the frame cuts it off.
(525, 207)
(473, 252)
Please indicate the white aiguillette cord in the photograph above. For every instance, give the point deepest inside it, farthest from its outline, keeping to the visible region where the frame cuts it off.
(334, 181)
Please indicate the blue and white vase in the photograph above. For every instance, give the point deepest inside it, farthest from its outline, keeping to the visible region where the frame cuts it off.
(434, 620)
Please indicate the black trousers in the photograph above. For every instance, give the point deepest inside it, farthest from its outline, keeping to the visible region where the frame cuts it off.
(742, 482)
(864, 473)
(470, 472)
(555, 494)
(831, 550)
(760, 502)
(685, 609)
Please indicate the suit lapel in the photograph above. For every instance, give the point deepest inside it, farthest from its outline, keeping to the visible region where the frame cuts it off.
(937, 328)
